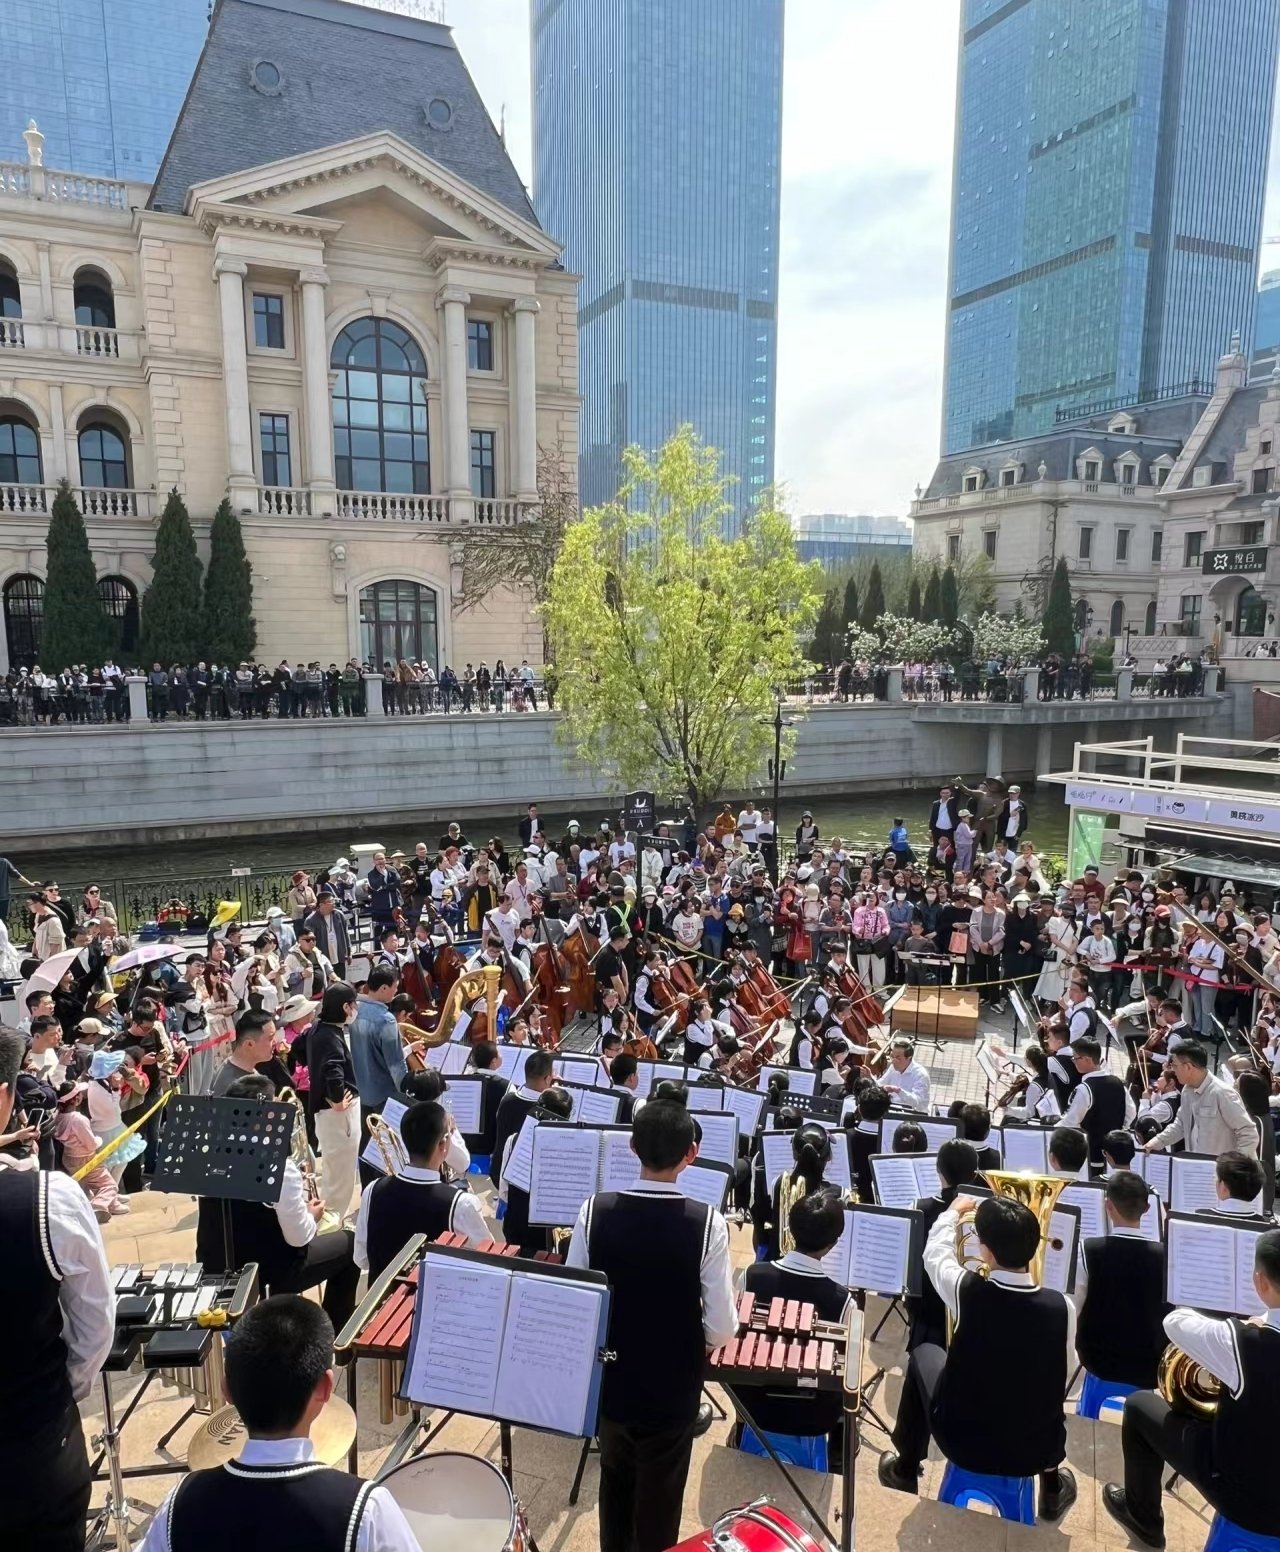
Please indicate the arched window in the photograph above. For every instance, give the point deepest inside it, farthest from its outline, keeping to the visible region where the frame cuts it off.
(23, 619)
(10, 295)
(1251, 613)
(380, 409)
(1116, 626)
(19, 452)
(120, 605)
(95, 306)
(104, 457)
(398, 620)
(1149, 623)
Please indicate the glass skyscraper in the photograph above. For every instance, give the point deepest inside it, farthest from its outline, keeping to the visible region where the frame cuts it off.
(1110, 163)
(103, 79)
(657, 137)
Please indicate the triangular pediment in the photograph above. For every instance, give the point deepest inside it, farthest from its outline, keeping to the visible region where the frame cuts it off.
(328, 184)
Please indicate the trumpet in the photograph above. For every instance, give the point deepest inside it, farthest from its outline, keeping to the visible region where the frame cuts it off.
(388, 1144)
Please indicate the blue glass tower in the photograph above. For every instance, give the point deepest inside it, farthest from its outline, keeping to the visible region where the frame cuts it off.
(103, 79)
(657, 137)
(1110, 163)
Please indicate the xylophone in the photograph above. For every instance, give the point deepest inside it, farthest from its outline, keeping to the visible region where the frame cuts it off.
(781, 1342)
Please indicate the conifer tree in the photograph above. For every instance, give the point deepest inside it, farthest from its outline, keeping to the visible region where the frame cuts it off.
(1058, 624)
(932, 606)
(227, 627)
(949, 597)
(913, 600)
(827, 646)
(75, 627)
(873, 603)
(170, 631)
(850, 609)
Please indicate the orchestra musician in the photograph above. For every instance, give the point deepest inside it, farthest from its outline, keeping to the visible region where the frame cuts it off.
(660, 1250)
(279, 1377)
(906, 1081)
(956, 1396)
(415, 1200)
(702, 1031)
(957, 1167)
(1119, 1294)
(1068, 1151)
(1229, 1457)
(58, 1303)
(517, 1103)
(807, 1045)
(873, 1104)
(624, 1082)
(1100, 1102)
(283, 1238)
(1064, 1075)
(486, 1059)
(1238, 1186)
(646, 1014)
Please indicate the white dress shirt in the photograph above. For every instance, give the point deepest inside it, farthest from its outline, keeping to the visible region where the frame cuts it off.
(1082, 1099)
(467, 1218)
(1211, 1342)
(84, 1289)
(296, 1223)
(383, 1527)
(719, 1309)
(945, 1273)
(912, 1084)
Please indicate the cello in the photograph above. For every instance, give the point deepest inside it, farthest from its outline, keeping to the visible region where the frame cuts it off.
(550, 978)
(579, 953)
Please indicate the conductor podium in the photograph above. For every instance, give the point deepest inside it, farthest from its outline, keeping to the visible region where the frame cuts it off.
(936, 1012)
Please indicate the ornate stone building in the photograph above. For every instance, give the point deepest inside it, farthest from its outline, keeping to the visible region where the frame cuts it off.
(335, 304)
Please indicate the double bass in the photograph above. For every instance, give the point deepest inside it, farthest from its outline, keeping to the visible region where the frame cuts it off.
(550, 978)
(579, 954)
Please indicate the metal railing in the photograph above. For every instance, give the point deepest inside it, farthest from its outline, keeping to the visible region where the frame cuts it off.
(187, 903)
(1194, 387)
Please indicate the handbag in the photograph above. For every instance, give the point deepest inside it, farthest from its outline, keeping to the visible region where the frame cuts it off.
(958, 943)
(798, 944)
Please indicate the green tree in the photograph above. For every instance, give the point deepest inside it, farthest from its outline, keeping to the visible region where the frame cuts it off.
(949, 597)
(913, 600)
(228, 631)
(850, 614)
(931, 609)
(670, 638)
(170, 629)
(828, 632)
(1058, 623)
(873, 600)
(75, 628)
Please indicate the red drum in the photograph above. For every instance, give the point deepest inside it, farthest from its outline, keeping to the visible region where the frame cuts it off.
(756, 1527)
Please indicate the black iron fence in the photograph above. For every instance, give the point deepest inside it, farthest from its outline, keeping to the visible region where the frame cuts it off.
(189, 903)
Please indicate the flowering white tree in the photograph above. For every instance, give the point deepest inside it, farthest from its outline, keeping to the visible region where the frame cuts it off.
(907, 640)
(1002, 636)
(862, 645)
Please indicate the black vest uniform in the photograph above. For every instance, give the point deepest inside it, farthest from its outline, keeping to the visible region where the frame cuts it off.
(1063, 1077)
(494, 1092)
(509, 1118)
(861, 1146)
(626, 1105)
(400, 1208)
(927, 1312)
(794, 1411)
(256, 1235)
(651, 1249)
(1004, 1431)
(1242, 1434)
(1120, 1331)
(1105, 1114)
(264, 1508)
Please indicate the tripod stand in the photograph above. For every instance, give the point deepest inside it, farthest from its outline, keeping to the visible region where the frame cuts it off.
(117, 1515)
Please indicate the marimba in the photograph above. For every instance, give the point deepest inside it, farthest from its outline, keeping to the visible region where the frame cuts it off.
(781, 1342)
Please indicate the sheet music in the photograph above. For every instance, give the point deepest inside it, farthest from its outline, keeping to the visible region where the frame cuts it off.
(936, 1131)
(597, 1106)
(519, 1167)
(644, 1079)
(392, 1112)
(987, 1063)
(778, 1158)
(928, 1181)
(566, 1167)
(447, 1366)
(1210, 1266)
(747, 1106)
(461, 1025)
(1194, 1182)
(706, 1096)
(719, 1136)
(1026, 1147)
(705, 1183)
(1063, 1250)
(619, 1167)
(579, 1069)
(358, 969)
(511, 1062)
(1247, 1301)
(1152, 1220)
(879, 1250)
(463, 1099)
(799, 1081)
(677, 1071)
(450, 1058)
(836, 1261)
(548, 1354)
(1157, 1170)
(995, 1139)
(1091, 1200)
(894, 1176)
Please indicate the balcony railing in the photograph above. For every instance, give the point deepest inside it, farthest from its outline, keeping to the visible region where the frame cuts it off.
(384, 507)
(92, 501)
(502, 513)
(283, 501)
(1029, 490)
(66, 188)
(12, 335)
(97, 342)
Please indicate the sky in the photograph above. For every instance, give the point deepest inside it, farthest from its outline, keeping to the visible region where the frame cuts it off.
(868, 123)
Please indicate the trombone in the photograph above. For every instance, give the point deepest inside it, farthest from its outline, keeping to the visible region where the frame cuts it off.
(389, 1145)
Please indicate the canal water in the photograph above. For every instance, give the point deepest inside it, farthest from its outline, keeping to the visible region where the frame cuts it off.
(862, 821)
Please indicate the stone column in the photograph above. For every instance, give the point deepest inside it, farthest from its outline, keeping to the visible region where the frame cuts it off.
(1212, 680)
(995, 749)
(235, 381)
(315, 378)
(373, 695)
(1124, 684)
(524, 402)
(893, 689)
(452, 302)
(137, 698)
(59, 451)
(1044, 751)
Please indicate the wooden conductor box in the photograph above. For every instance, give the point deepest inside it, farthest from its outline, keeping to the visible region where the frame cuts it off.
(947, 1012)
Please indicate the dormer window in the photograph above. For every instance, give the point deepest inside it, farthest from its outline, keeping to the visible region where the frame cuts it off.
(1261, 482)
(1089, 466)
(974, 479)
(1008, 476)
(1092, 470)
(1160, 468)
(1122, 425)
(1127, 469)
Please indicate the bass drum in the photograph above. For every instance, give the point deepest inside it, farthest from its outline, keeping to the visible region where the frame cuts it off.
(457, 1503)
(756, 1527)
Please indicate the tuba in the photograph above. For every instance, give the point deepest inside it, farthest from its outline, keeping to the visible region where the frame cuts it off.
(1038, 1193)
(1188, 1388)
(789, 1193)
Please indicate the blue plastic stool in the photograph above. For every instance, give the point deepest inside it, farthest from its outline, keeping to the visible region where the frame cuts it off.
(500, 1212)
(762, 1252)
(1014, 1498)
(1226, 1537)
(480, 1164)
(1095, 1394)
(792, 1449)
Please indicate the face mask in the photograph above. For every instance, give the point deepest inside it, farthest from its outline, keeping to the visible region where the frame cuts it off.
(930, 896)
(900, 894)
